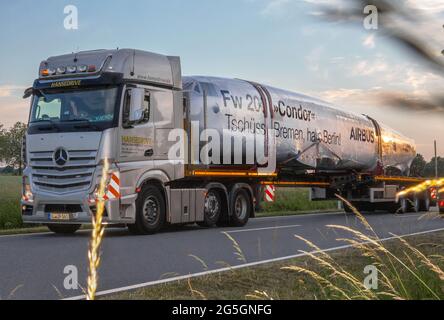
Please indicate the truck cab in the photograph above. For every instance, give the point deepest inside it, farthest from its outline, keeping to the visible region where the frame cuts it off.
(105, 105)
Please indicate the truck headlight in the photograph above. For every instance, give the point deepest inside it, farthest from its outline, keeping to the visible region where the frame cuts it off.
(26, 190)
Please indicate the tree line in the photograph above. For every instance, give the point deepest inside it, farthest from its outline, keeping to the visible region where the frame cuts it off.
(421, 168)
(11, 148)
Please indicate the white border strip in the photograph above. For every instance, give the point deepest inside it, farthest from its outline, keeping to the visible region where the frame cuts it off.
(297, 214)
(265, 228)
(193, 275)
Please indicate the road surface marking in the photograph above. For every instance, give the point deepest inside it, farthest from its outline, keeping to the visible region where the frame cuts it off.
(265, 228)
(400, 216)
(24, 234)
(245, 265)
(297, 215)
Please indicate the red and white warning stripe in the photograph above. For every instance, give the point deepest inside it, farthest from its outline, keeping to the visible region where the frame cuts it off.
(113, 188)
(434, 193)
(269, 193)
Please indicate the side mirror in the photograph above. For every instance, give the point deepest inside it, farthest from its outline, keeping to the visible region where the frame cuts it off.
(28, 92)
(136, 111)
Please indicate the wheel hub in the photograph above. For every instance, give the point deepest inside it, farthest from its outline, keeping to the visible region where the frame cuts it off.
(211, 205)
(240, 207)
(151, 210)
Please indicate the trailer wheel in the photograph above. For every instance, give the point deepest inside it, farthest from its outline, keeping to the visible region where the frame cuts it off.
(212, 209)
(150, 211)
(241, 208)
(64, 228)
(406, 205)
(425, 204)
(416, 205)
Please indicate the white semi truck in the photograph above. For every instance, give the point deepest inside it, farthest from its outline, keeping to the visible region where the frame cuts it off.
(188, 150)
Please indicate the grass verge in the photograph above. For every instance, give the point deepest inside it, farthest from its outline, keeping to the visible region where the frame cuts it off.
(10, 215)
(294, 201)
(282, 281)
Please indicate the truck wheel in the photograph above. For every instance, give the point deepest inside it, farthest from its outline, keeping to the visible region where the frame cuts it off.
(150, 212)
(212, 209)
(240, 208)
(405, 204)
(64, 228)
(416, 205)
(425, 204)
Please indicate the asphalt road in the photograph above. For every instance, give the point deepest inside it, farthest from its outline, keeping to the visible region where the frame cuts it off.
(32, 266)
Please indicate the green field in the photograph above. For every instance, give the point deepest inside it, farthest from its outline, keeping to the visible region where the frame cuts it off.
(10, 217)
(294, 200)
(288, 201)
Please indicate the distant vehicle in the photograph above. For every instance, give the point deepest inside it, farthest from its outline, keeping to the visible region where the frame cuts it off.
(126, 105)
(439, 198)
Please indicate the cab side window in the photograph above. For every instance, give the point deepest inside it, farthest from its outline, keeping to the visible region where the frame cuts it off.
(126, 110)
(146, 108)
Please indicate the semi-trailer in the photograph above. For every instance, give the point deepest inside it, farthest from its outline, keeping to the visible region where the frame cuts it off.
(195, 149)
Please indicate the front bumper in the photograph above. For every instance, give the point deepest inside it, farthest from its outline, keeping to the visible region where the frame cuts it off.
(117, 211)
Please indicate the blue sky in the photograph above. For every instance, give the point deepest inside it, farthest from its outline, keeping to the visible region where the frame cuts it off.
(279, 42)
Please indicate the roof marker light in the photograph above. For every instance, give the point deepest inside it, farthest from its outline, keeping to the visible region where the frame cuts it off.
(71, 69)
(61, 70)
(82, 68)
(91, 68)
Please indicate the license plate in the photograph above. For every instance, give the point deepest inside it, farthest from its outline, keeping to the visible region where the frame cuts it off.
(59, 216)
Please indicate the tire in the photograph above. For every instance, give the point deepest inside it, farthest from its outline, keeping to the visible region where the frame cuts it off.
(150, 212)
(441, 210)
(241, 208)
(212, 209)
(64, 228)
(405, 205)
(425, 204)
(416, 206)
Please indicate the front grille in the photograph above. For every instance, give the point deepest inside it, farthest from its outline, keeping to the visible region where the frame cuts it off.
(63, 208)
(75, 175)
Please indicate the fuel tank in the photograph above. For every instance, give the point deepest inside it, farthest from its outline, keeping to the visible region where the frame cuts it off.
(308, 133)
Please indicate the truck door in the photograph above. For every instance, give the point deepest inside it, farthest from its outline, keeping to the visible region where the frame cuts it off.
(137, 138)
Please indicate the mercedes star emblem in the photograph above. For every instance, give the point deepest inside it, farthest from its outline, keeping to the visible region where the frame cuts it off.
(60, 157)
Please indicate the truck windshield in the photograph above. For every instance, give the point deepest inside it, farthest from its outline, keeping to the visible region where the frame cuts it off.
(95, 106)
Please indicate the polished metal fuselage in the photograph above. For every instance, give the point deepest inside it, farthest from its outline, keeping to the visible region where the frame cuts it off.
(308, 132)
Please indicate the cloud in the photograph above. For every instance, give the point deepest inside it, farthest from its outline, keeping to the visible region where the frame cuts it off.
(429, 6)
(13, 110)
(368, 67)
(422, 82)
(8, 90)
(369, 41)
(348, 96)
(314, 60)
